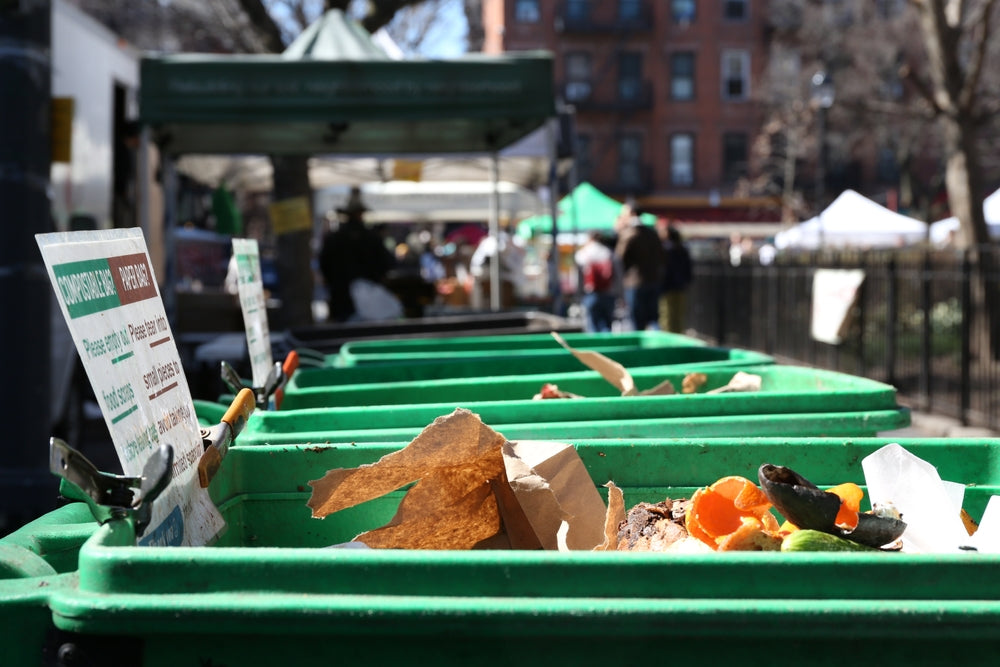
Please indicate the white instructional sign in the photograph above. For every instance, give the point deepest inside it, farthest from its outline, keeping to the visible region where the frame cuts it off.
(108, 294)
(251, 289)
(833, 295)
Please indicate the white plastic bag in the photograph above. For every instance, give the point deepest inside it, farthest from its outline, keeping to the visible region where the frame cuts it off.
(374, 302)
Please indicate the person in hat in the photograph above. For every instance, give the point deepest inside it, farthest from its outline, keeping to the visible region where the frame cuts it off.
(349, 252)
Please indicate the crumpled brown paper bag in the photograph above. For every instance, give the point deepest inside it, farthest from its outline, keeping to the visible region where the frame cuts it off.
(619, 377)
(553, 488)
(474, 489)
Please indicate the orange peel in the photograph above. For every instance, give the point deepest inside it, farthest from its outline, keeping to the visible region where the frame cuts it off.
(728, 512)
(850, 495)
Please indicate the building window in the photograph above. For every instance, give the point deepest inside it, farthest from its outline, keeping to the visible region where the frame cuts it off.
(682, 160)
(630, 161)
(735, 75)
(577, 76)
(527, 11)
(584, 163)
(629, 11)
(734, 156)
(578, 11)
(735, 10)
(629, 76)
(682, 76)
(683, 11)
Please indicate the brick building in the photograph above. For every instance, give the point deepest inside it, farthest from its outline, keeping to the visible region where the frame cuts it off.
(662, 91)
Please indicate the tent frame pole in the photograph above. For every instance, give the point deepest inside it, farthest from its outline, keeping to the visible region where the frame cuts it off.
(495, 231)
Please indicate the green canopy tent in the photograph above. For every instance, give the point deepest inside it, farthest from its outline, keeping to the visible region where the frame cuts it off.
(314, 101)
(584, 209)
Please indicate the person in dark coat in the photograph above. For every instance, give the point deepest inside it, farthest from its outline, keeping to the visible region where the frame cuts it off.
(349, 252)
(641, 255)
(676, 278)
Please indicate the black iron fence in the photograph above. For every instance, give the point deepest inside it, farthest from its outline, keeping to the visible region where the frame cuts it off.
(918, 321)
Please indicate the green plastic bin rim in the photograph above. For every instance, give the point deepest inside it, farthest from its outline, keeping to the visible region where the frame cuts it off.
(235, 590)
(831, 392)
(855, 423)
(363, 353)
(574, 339)
(558, 360)
(798, 389)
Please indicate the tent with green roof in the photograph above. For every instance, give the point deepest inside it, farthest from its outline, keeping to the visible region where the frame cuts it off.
(584, 209)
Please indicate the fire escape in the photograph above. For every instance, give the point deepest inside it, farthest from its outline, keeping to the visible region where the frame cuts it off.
(615, 90)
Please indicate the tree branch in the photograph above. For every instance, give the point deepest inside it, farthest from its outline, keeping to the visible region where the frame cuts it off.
(265, 26)
(925, 91)
(382, 12)
(967, 96)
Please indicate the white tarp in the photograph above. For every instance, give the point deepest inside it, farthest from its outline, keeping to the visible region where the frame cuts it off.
(853, 220)
(942, 229)
(434, 201)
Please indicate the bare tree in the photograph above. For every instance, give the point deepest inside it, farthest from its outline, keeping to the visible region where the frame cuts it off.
(934, 96)
(924, 101)
(859, 48)
(956, 36)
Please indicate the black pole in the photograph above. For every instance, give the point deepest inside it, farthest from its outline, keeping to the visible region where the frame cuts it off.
(966, 353)
(25, 291)
(861, 367)
(926, 333)
(891, 321)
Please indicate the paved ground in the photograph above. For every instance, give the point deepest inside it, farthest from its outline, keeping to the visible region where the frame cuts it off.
(926, 425)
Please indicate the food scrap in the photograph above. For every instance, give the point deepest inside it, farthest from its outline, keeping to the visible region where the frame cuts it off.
(619, 377)
(469, 488)
(550, 390)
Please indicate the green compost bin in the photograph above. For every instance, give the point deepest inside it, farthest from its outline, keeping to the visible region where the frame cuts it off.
(783, 389)
(269, 593)
(538, 345)
(793, 400)
(35, 560)
(560, 361)
(327, 338)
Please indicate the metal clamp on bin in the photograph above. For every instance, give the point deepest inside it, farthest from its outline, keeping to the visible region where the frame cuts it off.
(111, 496)
(218, 438)
(268, 396)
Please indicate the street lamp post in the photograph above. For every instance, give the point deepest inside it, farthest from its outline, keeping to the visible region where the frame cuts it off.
(822, 99)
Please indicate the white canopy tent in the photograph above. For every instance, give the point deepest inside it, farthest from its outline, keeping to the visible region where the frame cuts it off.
(853, 220)
(942, 229)
(434, 201)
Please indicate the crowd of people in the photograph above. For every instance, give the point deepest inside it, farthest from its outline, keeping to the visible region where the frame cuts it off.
(648, 268)
(639, 274)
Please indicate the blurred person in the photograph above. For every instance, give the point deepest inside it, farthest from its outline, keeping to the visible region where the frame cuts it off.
(641, 255)
(676, 278)
(766, 253)
(512, 255)
(596, 262)
(349, 252)
(408, 284)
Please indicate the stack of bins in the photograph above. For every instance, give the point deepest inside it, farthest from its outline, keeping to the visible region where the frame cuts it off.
(268, 593)
(389, 390)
